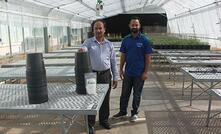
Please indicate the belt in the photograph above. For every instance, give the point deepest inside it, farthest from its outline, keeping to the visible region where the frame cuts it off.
(101, 72)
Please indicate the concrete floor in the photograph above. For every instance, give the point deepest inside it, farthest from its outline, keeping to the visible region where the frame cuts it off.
(163, 111)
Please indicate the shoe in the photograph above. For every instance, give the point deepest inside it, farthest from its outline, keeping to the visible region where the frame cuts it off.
(106, 125)
(134, 118)
(91, 130)
(119, 115)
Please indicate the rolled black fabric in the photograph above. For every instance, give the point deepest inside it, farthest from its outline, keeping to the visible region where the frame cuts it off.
(82, 66)
(36, 79)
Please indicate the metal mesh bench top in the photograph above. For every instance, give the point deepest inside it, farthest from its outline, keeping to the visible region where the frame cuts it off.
(47, 62)
(52, 72)
(62, 99)
(209, 74)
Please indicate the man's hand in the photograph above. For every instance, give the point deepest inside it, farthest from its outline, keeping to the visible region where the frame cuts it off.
(121, 72)
(115, 84)
(144, 76)
(82, 49)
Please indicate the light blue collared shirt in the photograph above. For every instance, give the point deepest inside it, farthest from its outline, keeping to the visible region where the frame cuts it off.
(102, 55)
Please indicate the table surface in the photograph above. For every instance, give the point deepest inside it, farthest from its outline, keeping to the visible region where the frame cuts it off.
(62, 100)
(58, 55)
(194, 58)
(52, 72)
(217, 92)
(116, 47)
(190, 61)
(207, 74)
(189, 53)
(47, 62)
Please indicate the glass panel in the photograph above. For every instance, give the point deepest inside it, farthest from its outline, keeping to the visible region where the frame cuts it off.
(76, 34)
(16, 39)
(4, 40)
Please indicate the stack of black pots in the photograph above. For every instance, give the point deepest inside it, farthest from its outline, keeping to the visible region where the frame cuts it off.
(82, 66)
(36, 79)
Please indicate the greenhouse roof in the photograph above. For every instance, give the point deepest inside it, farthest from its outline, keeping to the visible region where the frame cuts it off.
(93, 9)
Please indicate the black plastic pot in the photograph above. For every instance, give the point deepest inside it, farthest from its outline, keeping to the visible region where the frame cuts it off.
(82, 66)
(36, 79)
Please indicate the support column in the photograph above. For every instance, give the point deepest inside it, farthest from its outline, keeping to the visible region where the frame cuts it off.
(9, 41)
(23, 38)
(177, 25)
(69, 35)
(82, 36)
(45, 29)
(218, 15)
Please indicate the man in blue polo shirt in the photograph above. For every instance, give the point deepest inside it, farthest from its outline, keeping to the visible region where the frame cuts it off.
(135, 52)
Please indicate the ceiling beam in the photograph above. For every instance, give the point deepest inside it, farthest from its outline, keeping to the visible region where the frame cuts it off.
(123, 5)
(66, 4)
(86, 5)
(52, 7)
(163, 3)
(43, 3)
(198, 10)
(158, 2)
(146, 2)
(59, 6)
(151, 2)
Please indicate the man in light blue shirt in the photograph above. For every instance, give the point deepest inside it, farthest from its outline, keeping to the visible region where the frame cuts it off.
(102, 55)
(103, 61)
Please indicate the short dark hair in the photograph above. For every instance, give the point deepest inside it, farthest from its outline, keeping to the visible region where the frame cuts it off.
(134, 18)
(98, 20)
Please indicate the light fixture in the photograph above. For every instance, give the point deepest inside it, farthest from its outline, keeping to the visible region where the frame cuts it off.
(99, 7)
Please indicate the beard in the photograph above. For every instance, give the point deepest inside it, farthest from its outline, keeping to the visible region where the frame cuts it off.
(134, 30)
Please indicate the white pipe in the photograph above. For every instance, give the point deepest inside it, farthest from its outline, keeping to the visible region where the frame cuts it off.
(28, 14)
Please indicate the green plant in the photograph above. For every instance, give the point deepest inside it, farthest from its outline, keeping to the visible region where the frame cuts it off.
(164, 39)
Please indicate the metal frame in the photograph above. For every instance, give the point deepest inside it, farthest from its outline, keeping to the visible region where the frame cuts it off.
(200, 79)
(186, 53)
(58, 55)
(52, 73)
(175, 63)
(169, 54)
(47, 62)
(63, 100)
(216, 92)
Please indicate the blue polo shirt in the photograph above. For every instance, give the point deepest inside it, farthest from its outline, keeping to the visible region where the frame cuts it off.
(135, 50)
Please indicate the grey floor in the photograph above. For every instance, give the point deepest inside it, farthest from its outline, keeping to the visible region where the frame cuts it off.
(163, 111)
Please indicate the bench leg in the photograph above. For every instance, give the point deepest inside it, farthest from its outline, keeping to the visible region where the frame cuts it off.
(209, 110)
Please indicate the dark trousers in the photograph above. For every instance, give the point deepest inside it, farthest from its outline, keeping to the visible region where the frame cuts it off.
(130, 82)
(104, 112)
